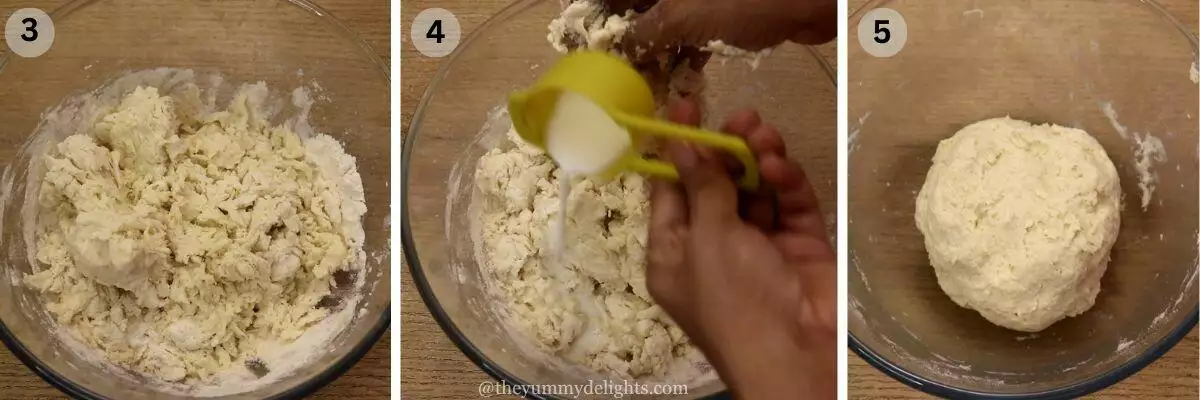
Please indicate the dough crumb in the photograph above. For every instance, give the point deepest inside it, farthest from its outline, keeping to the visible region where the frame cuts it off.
(584, 24)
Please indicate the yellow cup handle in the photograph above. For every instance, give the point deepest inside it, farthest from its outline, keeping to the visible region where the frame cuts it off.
(650, 126)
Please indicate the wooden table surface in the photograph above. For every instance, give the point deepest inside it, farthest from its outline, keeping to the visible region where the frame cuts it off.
(370, 378)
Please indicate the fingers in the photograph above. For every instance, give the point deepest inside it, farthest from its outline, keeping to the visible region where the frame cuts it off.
(684, 111)
(762, 139)
(758, 209)
(667, 202)
(766, 141)
(742, 123)
(798, 205)
(667, 239)
(804, 249)
(668, 206)
(651, 34)
(711, 194)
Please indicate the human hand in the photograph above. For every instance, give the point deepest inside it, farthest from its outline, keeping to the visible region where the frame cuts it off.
(667, 25)
(753, 281)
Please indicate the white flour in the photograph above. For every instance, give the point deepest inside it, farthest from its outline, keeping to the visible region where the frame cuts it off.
(1148, 151)
(754, 58)
(204, 248)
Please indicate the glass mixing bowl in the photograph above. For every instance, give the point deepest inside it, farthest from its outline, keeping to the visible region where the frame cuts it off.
(793, 89)
(1046, 62)
(245, 41)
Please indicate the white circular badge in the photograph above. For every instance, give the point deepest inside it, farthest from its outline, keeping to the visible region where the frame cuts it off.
(882, 32)
(29, 32)
(435, 32)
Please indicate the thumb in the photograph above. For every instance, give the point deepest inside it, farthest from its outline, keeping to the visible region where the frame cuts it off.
(711, 195)
(653, 33)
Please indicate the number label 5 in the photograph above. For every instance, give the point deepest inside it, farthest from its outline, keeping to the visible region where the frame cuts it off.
(882, 32)
(29, 32)
(435, 32)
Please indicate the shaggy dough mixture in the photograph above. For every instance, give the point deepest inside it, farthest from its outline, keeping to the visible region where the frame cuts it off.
(591, 306)
(584, 24)
(180, 243)
(1019, 220)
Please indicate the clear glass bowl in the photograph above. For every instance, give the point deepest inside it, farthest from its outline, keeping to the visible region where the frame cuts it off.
(245, 41)
(793, 89)
(1042, 61)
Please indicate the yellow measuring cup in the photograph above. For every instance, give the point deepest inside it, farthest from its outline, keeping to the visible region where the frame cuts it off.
(617, 88)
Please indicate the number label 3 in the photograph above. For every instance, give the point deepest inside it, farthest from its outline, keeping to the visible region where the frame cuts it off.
(882, 32)
(435, 32)
(30, 29)
(29, 32)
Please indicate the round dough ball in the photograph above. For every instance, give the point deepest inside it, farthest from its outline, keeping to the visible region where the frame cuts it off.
(1019, 220)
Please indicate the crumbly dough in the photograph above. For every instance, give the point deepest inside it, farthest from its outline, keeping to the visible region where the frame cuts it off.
(591, 306)
(584, 24)
(1019, 220)
(177, 243)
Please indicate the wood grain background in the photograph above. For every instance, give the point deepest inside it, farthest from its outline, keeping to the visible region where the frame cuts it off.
(433, 368)
(370, 377)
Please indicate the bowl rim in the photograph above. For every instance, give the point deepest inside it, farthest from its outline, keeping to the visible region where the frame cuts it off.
(304, 388)
(1073, 391)
(407, 242)
(1079, 389)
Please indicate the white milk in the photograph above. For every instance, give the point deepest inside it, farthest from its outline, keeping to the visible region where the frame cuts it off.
(583, 140)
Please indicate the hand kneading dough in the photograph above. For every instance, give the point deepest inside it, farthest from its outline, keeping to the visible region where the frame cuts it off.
(1019, 220)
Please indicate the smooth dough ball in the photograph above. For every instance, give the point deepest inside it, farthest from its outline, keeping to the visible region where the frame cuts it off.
(1019, 220)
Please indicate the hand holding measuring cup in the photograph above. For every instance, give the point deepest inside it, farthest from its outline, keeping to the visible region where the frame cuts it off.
(599, 104)
(750, 293)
